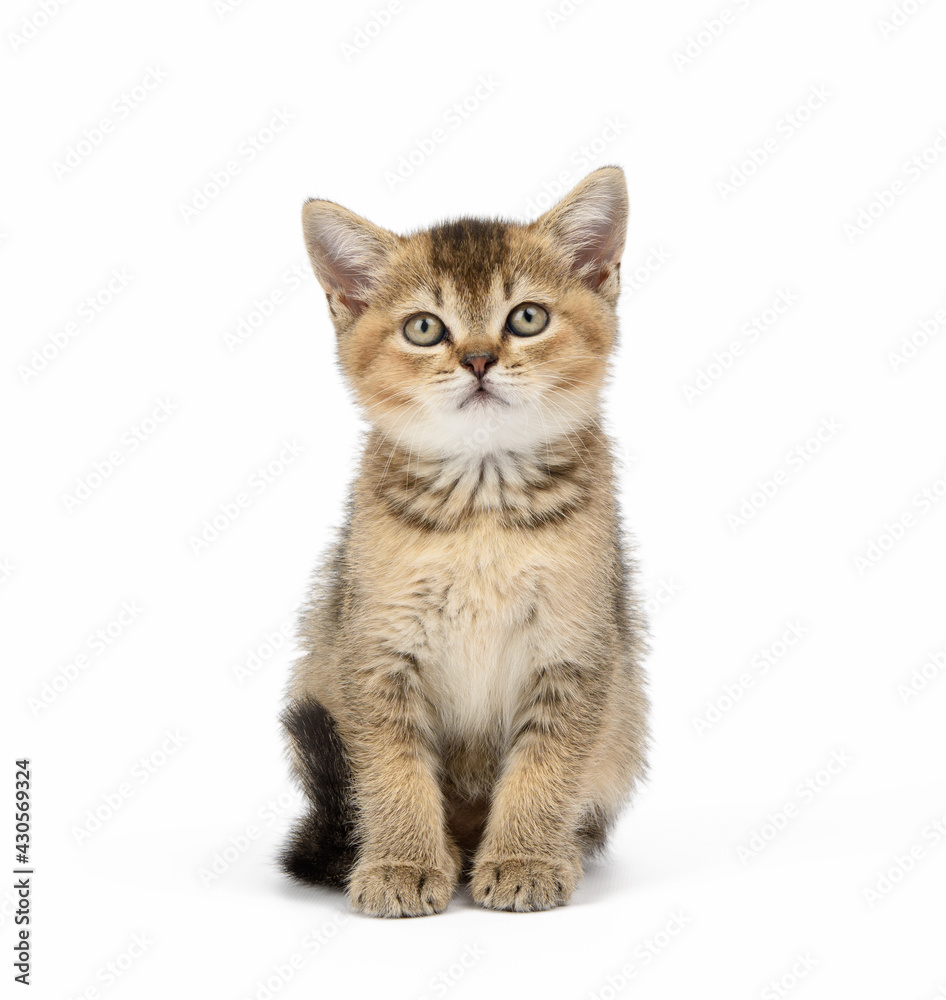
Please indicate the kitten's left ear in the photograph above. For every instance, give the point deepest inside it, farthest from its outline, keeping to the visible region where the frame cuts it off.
(347, 252)
(590, 225)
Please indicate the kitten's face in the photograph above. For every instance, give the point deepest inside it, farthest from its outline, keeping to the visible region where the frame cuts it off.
(477, 337)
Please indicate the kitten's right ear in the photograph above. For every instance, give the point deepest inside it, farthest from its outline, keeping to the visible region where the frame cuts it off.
(347, 252)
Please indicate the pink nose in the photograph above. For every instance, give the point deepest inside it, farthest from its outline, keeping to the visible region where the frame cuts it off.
(478, 363)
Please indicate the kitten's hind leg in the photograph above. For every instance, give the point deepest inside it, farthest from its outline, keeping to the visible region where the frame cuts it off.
(593, 829)
(321, 849)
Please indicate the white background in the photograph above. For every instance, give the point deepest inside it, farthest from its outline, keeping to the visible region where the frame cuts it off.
(847, 549)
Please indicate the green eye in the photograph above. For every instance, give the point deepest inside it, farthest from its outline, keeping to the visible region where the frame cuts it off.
(424, 329)
(527, 320)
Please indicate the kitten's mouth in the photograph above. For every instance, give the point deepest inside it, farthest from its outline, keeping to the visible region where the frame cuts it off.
(481, 396)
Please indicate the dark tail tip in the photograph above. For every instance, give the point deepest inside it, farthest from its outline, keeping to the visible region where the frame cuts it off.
(321, 848)
(315, 856)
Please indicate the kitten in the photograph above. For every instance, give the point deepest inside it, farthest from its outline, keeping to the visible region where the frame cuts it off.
(471, 700)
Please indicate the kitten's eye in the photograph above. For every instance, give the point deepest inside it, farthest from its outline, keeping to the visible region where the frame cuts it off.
(527, 320)
(424, 329)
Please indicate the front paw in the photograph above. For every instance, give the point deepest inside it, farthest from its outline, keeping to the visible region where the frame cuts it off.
(399, 889)
(523, 882)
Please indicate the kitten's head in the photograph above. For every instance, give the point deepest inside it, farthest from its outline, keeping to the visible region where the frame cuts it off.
(475, 335)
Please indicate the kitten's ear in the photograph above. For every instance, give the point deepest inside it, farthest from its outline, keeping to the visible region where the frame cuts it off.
(590, 225)
(347, 252)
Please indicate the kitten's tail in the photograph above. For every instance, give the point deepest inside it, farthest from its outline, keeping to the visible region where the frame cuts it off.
(321, 849)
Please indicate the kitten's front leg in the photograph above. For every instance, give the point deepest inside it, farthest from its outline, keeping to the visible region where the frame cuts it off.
(407, 865)
(529, 858)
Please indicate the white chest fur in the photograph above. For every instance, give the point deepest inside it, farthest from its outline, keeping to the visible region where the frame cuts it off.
(470, 616)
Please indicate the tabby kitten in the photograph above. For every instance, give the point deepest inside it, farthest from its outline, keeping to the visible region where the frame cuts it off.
(470, 702)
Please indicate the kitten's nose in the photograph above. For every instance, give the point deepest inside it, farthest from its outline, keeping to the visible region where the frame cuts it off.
(478, 363)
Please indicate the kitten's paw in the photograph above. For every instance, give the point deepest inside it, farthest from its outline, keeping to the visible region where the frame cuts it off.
(522, 882)
(399, 889)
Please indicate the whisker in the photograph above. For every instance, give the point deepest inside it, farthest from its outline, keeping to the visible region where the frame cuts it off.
(414, 407)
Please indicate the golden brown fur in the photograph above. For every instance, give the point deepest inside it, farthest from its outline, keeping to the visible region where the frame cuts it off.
(472, 645)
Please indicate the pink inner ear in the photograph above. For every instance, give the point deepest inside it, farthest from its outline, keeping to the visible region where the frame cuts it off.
(595, 250)
(347, 276)
(347, 253)
(594, 269)
(355, 306)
